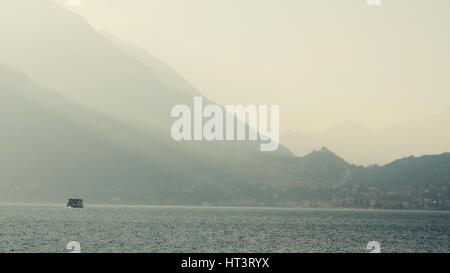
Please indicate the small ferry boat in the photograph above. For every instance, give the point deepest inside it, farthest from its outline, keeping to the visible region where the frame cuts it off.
(75, 203)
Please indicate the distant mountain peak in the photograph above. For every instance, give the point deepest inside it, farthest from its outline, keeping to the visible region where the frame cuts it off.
(324, 155)
(323, 150)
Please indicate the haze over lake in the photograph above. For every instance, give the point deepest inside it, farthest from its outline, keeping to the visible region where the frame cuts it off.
(167, 106)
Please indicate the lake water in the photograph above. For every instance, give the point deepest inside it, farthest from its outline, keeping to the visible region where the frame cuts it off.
(49, 228)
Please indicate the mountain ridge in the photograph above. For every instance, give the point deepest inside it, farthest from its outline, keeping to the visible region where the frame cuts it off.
(92, 120)
(367, 147)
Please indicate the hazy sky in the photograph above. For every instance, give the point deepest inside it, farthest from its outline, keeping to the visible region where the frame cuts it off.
(323, 61)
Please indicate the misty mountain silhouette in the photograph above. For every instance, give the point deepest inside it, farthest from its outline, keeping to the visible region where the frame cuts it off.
(53, 148)
(360, 145)
(407, 171)
(51, 145)
(87, 114)
(61, 52)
